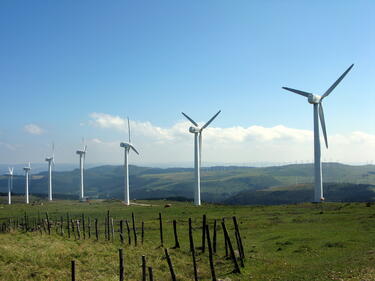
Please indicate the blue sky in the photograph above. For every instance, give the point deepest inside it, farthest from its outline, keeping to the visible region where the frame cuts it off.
(62, 62)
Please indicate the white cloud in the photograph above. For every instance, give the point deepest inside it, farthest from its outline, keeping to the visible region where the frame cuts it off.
(33, 129)
(7, 146)
(229, 145)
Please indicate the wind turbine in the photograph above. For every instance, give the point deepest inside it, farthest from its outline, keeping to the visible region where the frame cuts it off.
(82, 156)
(197, 131)
(27, 171)
(316, 101)
(127, 146)
(51, 161)
(10, 185)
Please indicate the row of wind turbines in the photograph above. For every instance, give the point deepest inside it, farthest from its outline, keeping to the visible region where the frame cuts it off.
(318, 117)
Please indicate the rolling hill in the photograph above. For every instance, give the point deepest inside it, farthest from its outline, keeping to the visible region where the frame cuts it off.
(233, 184)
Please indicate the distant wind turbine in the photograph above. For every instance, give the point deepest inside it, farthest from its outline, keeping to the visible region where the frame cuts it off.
(82, 157)
(27, 172)
(127, 146)
(316, 101)
(51, 161)
(198, 153)
(10, 185)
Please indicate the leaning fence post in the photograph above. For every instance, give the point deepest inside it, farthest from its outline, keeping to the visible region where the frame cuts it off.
(96, 230)
(192, 249)
(210, 255)
(239, 237)
(128, 228)
(73, 270)
(236, 267)
(150, 274)
(203, 233)
(161, 230)
(173, 275)
(143, 232)
(214, 237)
(122, 231)
(144, 268)
(176, 243)
(121, 259)
(134, 230)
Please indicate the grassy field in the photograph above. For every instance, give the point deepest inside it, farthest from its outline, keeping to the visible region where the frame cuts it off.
(334, 241)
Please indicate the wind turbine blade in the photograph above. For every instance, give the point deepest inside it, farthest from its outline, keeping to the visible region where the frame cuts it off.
(302, 93)
(129, 129)
(322, 122)
(191, 120)
(53, 149)
(212, 119)
(85, 149)
(337, 82)
(132, 147)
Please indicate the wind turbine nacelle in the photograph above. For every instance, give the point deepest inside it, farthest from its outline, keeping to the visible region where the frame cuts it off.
(314, 99)
(48, 159)
(193, 130)
(80, 152)
(124, 144)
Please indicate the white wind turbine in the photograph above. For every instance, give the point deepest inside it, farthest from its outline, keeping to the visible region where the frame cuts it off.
(82, 157)
(51, 161)
(127, 146)
(316, 101)
(10, 185)
(198, 153)
(27, 172)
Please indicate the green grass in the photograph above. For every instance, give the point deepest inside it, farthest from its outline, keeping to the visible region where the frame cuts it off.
(334, 241)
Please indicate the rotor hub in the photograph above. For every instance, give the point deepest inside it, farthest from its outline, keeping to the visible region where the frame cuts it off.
(314, 99)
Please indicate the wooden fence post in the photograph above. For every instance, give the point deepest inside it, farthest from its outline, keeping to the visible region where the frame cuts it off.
(73, 270)
(134, 230)
(144, 274)
(192, 249)
(203, 233)
(214, 238)
(176, 243)
(210, 254)
(121, 261)
(173, 275)
(143, 232)
(150, 274)
(161, 230)
(240, 248)
(122, 231)
(128, 228)
(233, 256)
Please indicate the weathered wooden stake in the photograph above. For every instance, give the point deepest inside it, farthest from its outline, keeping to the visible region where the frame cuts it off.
(89, 227)
(113, 230)
(68, 224)
(204, 233)
(161, 230)
(78, 230)
(121, 259)
(122, 231)
(176, 243)
(128, 228)
(173, 275)
(150, 274)
(214, 238)
(108, 229)
(48, 224)
(144, 273)
(143, 232)
(96, 230)
(134, 230)
(233, 256)
(210, 254)
(192, 249)
(73, 270)
(225, 240)
(240, 248)
(61, 226)
(83, 226)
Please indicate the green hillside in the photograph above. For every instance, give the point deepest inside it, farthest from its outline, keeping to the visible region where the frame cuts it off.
(217, 183)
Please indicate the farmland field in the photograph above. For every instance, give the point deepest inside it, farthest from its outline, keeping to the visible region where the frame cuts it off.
(331, 241)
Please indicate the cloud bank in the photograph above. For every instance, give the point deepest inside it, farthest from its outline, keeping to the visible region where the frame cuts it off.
(33, 129)
(232, 145)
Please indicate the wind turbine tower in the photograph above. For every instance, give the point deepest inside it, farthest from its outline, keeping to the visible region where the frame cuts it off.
(197, 131)
(27, 172)
(316, 101)
(82, 156)
(51, 161)
(127, 146)
(10, 185)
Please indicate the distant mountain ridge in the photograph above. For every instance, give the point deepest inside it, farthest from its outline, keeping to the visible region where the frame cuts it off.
(229, 184)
